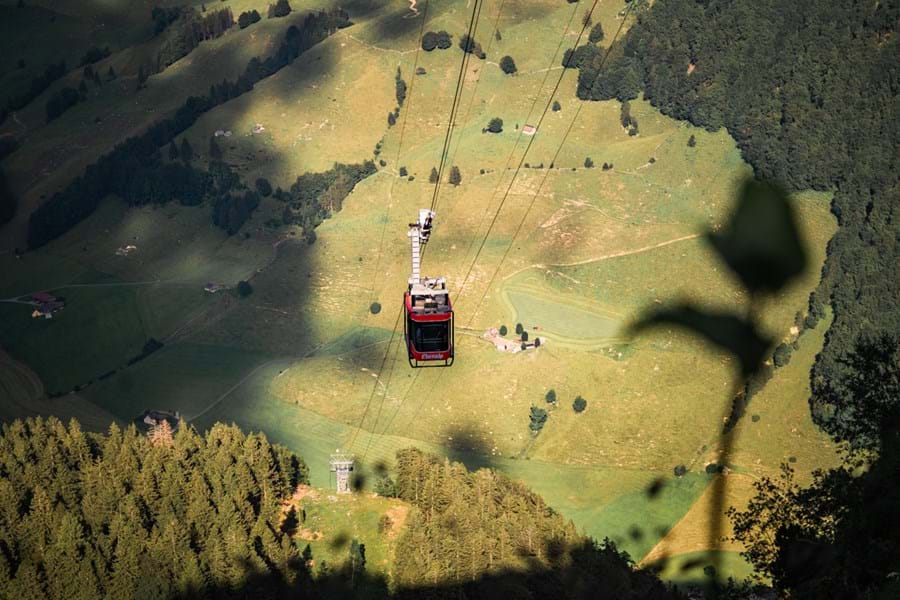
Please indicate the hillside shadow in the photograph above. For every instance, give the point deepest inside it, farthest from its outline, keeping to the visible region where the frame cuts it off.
(578, 571)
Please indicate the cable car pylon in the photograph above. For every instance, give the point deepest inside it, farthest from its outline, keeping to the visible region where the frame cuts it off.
(428, 322)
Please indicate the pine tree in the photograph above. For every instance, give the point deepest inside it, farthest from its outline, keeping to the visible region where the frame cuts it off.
(161, 434)
(173, 151)
(215, 152)
(187, 153)
(433, 177)
(142, 77)
(455, 176)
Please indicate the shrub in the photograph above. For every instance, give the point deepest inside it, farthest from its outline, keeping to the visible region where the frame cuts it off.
(263, 186)
(537, 419)
(680, 471)
(382, 162)
(468, 44)
(596, 34)
(403, 172)
(392, 120)
(519, 328)
(496, 125)
(755, 418)
(550, 396)
(782, 355)
(712, 469)
(433, 177)
(455, 176)
(244, 289)
(385, 486)
(588, 163)
(692, 141)
(503, 330)
(375, 308)
(421, 71)
(508, 65)
(557, 106)
(579, 404)
(537, 342)
(280, 9)
(524, 336)
(432, 40)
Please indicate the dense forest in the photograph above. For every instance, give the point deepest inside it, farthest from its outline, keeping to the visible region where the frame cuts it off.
(135, 170)
(124, 515)
(476, 535)
(809, 90)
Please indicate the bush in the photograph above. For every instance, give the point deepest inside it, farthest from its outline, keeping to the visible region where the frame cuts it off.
(244, 289)
(93, 55)
(713, 468)
(550, 396)
(280, 9)
(537, 419)
(596, 34)
(248, 18)
(468, 44)
(524, 336)
(421, 71)
(496, 125)
(588, 163)
(508, 65)
(432, 40)
(755, 418)
(782, 355)
(385, 486)
(692, 141)
(403, 172)
(455, 176)
(680, 471)
(556, 106)
(503, 330)
(375, 308)
(579, 404)
(263, 187)
(433, 176)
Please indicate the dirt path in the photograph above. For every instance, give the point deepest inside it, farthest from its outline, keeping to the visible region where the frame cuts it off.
(605, 256)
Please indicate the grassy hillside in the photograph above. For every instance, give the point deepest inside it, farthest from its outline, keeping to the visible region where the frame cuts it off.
(299, 358)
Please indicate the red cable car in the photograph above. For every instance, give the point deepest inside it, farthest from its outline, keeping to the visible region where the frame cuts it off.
(428, 326)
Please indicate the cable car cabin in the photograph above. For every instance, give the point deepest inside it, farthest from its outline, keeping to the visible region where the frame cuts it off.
(429, 325)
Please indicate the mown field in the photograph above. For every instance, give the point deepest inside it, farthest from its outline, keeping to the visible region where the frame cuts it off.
(301, 358)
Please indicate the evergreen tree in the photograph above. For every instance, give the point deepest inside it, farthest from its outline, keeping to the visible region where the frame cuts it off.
(508, 65)
(433, 177)
(173, 151)
(596, 34)
(455, 176)
(495, 125)
(215, 152)
(692, 141)
(557, 106)
(187, 153)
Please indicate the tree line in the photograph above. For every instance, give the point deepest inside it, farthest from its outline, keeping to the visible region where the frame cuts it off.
(117, 515)
(808, 91)
(134, 169)
(314, 197)
(467, 528)
(189, 30)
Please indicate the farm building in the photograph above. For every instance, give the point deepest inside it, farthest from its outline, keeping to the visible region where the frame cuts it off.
(529, 130)
(152, 418)
(46, 304)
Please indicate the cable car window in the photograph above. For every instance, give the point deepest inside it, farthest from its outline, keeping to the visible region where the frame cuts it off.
(431, 337)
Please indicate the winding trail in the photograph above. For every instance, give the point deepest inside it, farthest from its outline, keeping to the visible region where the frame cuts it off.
(605, 256)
